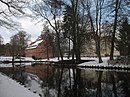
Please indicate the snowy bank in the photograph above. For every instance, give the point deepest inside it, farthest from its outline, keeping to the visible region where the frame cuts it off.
(10, 88)
(95, 62)
(104, 65)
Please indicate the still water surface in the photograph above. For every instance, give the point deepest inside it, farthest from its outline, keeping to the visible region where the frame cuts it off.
(75, 82)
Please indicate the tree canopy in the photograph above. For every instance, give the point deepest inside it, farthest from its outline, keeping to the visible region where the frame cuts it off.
(19, 42)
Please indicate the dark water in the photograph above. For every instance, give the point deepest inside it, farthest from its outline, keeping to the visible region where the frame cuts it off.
(68, 82)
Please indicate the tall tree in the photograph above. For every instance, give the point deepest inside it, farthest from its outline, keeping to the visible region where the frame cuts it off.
(72, 28)
(19, 43)
(107, 32)
(117, 9)
(117, 6)
(99, 5)
(95, 15)
(75, 26)
(123, 44)
(67, 25)
(48, 36)
(51, 11)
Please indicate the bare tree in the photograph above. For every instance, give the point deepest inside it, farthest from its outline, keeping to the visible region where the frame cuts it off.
(99, 5)
(117, 6)
(116, 10)
(51, 11)
(19, 43)
(95, 21)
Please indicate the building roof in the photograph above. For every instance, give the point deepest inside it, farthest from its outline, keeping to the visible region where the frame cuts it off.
(34, 44)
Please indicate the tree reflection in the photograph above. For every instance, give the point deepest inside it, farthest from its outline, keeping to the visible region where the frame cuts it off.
(114, 85)
(124, 83)
(71, 84)
(99, 89)
(74, 82)
(68, 82)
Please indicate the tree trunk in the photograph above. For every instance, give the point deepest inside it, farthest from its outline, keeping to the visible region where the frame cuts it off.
(69, 49)
(78, 42)
(114, 31)
(73, 53)
(95, 33)
(47, 52)
(59, 47)
(98, 24)
(99, 53)
(75, 30)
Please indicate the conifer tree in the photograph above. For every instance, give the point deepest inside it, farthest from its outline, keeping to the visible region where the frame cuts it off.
(123, 43)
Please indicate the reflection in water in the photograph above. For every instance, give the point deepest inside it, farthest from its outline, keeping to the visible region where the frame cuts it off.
(74, 82)
(99, 89)
(114, 85)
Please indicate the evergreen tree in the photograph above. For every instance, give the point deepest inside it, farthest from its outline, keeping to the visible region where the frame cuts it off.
(123, 43)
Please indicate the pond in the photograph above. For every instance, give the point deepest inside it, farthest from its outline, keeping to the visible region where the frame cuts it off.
(75, 82)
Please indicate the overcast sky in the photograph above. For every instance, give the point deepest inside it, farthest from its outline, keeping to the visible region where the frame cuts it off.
(31, 27)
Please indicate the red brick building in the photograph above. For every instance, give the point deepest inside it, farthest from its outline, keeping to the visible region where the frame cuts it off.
(44, 72)
(39, 49)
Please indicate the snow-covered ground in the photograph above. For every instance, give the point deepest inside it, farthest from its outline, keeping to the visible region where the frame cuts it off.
(10, 59)
(104, 63)
(105, 66)
(10, 88)
(2, 58)
(91, 63)
(95, 62)
(34, 83)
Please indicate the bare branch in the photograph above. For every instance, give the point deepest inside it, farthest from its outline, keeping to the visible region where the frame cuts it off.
(11, 5)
